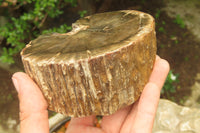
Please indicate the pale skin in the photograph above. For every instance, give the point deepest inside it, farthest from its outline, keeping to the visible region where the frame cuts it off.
(136, 118)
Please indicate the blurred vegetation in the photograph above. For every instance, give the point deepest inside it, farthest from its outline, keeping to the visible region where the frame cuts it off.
(178, 20)
(26, 20)
(170, 84)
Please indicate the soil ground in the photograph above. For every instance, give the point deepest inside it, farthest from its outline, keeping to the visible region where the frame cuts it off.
(9, 118)
(175, 44)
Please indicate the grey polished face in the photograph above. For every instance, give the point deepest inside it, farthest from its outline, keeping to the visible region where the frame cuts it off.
(102, 32)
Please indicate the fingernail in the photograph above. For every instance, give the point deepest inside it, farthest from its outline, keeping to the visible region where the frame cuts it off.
(15, 82)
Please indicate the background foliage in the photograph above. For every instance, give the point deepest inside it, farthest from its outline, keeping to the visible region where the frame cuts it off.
(26, 20)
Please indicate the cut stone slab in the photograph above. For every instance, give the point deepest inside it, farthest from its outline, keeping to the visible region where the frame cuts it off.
(99, 67)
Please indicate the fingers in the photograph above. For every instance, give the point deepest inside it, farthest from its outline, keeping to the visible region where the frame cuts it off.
(84, 124)
(33, 107)
(141, 117)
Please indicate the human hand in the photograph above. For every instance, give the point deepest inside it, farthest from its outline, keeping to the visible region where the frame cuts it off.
(137, 118)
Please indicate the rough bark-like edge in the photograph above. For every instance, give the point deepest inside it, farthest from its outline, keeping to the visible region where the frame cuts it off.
(83, 94)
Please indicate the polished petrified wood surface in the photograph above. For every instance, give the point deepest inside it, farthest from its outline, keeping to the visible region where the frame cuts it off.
(99, 67)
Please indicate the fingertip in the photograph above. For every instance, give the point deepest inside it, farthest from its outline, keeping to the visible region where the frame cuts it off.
(165, 65)
(160, 72)
(15, 80)
(23, 79)
(157, 57)
(19, 74)
(20, 80)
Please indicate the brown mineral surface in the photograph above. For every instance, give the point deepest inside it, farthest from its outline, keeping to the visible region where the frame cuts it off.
(99, 67)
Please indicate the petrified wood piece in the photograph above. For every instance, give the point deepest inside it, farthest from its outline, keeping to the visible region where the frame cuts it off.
(99, 67)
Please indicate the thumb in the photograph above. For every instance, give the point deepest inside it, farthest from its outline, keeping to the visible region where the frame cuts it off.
(33, 106)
